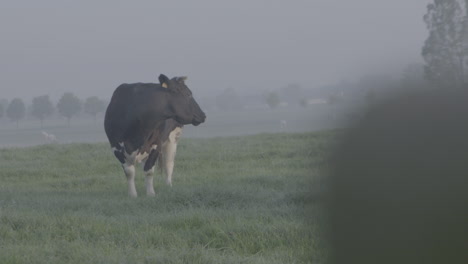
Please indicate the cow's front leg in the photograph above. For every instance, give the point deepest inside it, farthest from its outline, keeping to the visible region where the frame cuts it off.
(168, 160)
(149, 171)
(169, 153)
(129, 170)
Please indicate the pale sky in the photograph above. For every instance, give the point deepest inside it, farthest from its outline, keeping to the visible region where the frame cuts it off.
(90, 47)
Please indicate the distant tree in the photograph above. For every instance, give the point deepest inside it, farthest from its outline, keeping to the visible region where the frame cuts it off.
(303, 102)
(375, 81)
(68, 106)
(294, 88)
(16, 110)
(334, 99)
(228, 100)
(93, 106)
(1, 110)
(42, 107)
(446, 49)
(272, 99)
(291, 93)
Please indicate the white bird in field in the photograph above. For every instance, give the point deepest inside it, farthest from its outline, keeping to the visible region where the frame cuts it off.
(50, 138)
(283, 123)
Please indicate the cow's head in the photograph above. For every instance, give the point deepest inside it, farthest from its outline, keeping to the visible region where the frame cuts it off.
(184, 107)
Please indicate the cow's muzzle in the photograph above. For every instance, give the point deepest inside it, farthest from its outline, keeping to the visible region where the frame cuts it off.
(199, 119)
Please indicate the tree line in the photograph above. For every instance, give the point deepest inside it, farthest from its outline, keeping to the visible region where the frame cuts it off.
(42, 107)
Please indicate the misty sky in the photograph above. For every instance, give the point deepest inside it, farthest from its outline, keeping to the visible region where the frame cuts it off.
(90, 47)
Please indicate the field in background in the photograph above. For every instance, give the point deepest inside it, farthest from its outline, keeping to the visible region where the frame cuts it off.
(218, 124)
(250, 199)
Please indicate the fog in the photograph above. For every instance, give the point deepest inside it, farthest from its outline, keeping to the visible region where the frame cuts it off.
(90, 47)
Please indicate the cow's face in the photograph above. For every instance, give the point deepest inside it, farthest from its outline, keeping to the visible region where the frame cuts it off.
(184, 107)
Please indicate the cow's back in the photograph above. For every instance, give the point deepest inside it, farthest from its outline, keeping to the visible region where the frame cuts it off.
(128, 106)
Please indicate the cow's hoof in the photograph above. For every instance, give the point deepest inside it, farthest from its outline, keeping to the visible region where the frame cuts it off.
(151, 194)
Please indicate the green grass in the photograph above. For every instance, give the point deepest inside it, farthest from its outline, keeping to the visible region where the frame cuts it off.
(253, 199)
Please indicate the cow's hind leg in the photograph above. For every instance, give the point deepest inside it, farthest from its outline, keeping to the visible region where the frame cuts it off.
(129, 170)
(149, 171)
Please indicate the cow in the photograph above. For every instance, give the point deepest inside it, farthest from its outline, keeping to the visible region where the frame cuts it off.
(144, 120)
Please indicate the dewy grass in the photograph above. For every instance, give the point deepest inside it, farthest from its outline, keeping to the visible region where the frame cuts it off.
(234, 200)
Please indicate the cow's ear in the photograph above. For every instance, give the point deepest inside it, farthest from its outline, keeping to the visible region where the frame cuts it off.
(163, 80)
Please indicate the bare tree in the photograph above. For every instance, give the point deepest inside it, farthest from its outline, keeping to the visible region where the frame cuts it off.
(69, 105)
(445, 50)
(42, 107)
(16, 110)
(272, 99)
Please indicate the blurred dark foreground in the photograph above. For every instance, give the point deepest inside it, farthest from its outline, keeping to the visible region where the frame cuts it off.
(400, 182)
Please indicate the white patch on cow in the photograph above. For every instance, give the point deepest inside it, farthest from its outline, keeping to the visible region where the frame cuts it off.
(136, 157)
(130, 158)
(130, 173)
(122, 149)
(175, 134)
(141, 156)
(169, 152)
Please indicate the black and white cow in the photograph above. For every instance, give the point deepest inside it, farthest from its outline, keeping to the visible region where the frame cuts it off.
(144, 120)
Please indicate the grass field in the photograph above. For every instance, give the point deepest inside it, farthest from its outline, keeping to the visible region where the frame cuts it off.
(250, 199)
